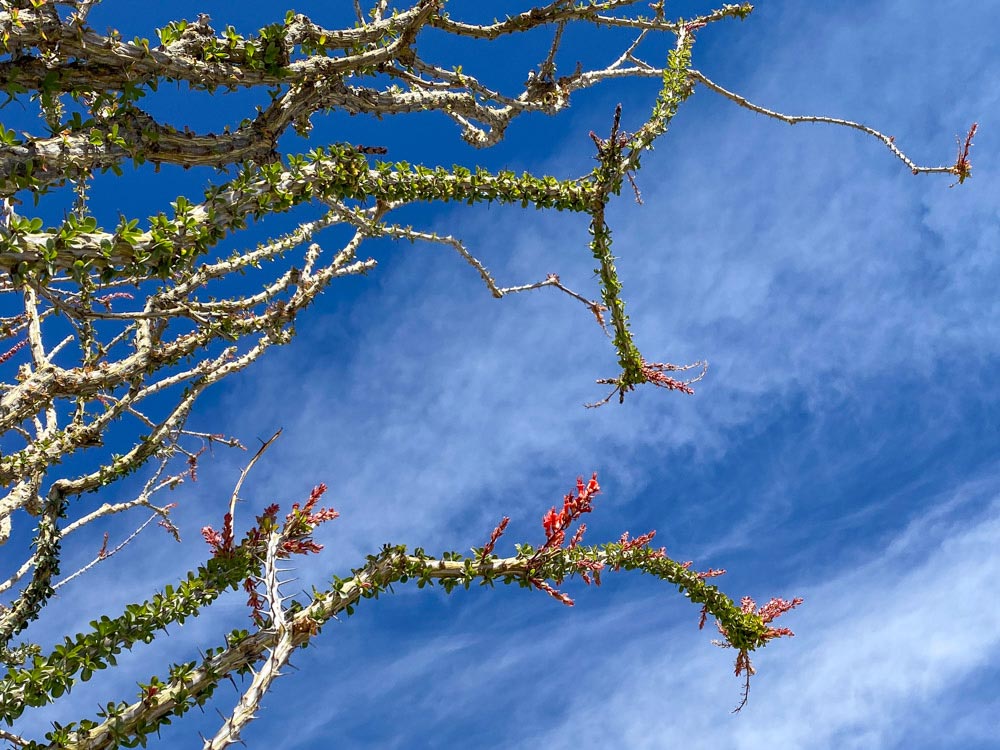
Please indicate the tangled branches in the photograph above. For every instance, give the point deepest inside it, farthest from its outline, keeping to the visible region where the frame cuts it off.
(108, 336)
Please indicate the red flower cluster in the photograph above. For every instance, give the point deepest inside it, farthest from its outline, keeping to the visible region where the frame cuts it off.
(656, 373)
(773, 609)
(495, 537)
(192, 463)
(586, 567)
(557, 523)
(299, 524)
(166, 524)
(13, 350)
(106, 299)
(640, 541)
(711, 573)
(221, 542)
(574, 506)
(538, 583)
(769, 612)
(254, 601)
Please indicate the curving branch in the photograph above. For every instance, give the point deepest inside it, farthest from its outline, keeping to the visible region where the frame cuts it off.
(194, 683)
(298, 57)
(959, 169)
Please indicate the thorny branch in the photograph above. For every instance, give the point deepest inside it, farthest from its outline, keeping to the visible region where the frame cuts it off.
(280, 649)
(296, 624)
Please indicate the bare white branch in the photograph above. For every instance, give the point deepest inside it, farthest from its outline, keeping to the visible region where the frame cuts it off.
(888, 140)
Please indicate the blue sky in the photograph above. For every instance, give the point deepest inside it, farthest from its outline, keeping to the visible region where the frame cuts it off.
(842, 448)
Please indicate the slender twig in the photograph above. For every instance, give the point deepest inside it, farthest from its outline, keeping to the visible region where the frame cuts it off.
(888, 140)
(246, 470)
(105, 554)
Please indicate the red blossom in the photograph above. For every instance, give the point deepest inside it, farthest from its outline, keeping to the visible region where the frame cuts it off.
(773, 609)
(656, 373)
(13, 350)
(193, 464)
(777, 607)
(770, 611)
(227, 532)
(221, 542)
(301, 546)
(254, 601)
(107, 299)
(778, 633)
(167, 524)
(300, 522)
(551, 522)
(586, 567)
(711, 573)
(308, 515)
(538, 583)
(323, 515)
(703, 618)
(495, 536)
(556, 523)
(317, 492)
(743, 664)
(214, 539)
(640, 541)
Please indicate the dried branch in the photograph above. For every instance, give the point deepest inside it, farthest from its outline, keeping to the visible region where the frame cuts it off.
(246, 470)
(888, 140)
(104, 553)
